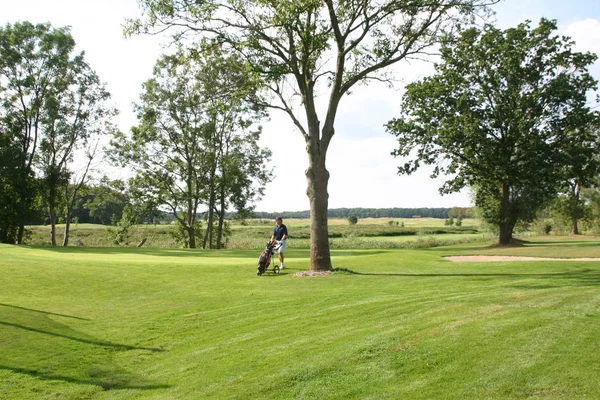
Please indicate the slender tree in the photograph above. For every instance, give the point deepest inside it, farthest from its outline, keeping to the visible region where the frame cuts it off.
(72, 191)
(302, 48)
(505, 114)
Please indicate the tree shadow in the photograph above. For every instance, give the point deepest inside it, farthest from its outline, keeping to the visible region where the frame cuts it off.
(43, 312)
(155, 252)
(44, 348)
(582, 277)
(196, 253)
(104, 384)
(86, 341)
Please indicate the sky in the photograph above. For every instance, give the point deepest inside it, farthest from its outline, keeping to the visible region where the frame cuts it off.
(362, 169)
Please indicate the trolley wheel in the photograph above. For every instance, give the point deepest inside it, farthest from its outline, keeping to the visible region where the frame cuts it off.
(276, 269)
(259, 272)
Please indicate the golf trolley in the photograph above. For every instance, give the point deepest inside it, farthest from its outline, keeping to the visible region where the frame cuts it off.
(264, 260)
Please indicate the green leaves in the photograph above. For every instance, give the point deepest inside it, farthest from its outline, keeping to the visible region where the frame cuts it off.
(500, 114)
(51, 104)
(196, 141)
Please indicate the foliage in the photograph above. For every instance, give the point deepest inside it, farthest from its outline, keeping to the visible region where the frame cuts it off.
(17, 190)
(122, 233)
(304, 48)
(368, 213)
(499, 116)
(52, 104)
(195, 142)
(105, 199)
(353, 220)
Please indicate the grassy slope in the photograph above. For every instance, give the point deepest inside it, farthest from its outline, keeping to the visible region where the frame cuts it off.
(142, 323)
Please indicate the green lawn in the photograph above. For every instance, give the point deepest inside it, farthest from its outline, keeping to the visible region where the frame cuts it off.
(114, 323)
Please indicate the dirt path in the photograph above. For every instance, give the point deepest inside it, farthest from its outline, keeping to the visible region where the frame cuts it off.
(513, 258)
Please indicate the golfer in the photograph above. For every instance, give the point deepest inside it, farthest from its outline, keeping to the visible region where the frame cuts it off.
(280, 235)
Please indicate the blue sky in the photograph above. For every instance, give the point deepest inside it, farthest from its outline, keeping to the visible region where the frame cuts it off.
(363, 173)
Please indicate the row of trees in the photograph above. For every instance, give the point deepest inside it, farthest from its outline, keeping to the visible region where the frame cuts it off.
(52, 104)
(305, 49)
(195, 144)
(379, 213)
(506, 113)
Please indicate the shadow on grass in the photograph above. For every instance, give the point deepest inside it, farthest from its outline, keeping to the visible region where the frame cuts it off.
(44, 348)
(183, 253)
(86, 341)
(196, 253)
(43, 312)
(106, 385)
(521, 245)
(584, 277)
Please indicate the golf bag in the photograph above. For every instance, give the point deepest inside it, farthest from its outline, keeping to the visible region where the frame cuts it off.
(264, 260)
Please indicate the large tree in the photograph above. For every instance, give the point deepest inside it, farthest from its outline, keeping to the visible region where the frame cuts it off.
(304, 48)
(17, 189)
(32, 59)
(52, 101)
(505, 113)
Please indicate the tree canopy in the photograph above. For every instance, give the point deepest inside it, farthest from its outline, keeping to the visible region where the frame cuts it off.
(503, 114)
(303, 49)
(196, 142)
(51, 103)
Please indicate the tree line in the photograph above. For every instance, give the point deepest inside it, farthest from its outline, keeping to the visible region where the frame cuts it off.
(508, 114)
(464, 212)
(195, 144)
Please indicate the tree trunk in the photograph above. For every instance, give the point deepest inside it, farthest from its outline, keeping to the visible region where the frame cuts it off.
(317, 177)
(505, 234)
(575, 210)
(52, 215)
(20, 234)
(506, 226)
(208, 237)
(575, 229)
(191, 236)
(221, 218)
(191, 225)
(65, 242)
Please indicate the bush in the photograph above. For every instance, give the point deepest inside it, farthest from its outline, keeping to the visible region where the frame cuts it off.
(353, 220)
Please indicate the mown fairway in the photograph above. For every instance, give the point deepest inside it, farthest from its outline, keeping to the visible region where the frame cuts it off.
(111, 323)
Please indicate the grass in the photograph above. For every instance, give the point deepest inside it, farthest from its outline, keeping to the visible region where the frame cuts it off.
(121, 323)
(368, 233)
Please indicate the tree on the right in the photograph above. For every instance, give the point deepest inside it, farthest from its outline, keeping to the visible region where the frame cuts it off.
(506, 113)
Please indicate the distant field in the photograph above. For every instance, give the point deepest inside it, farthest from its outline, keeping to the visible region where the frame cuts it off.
(254, 232)
(122, 323)
(408, 222)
